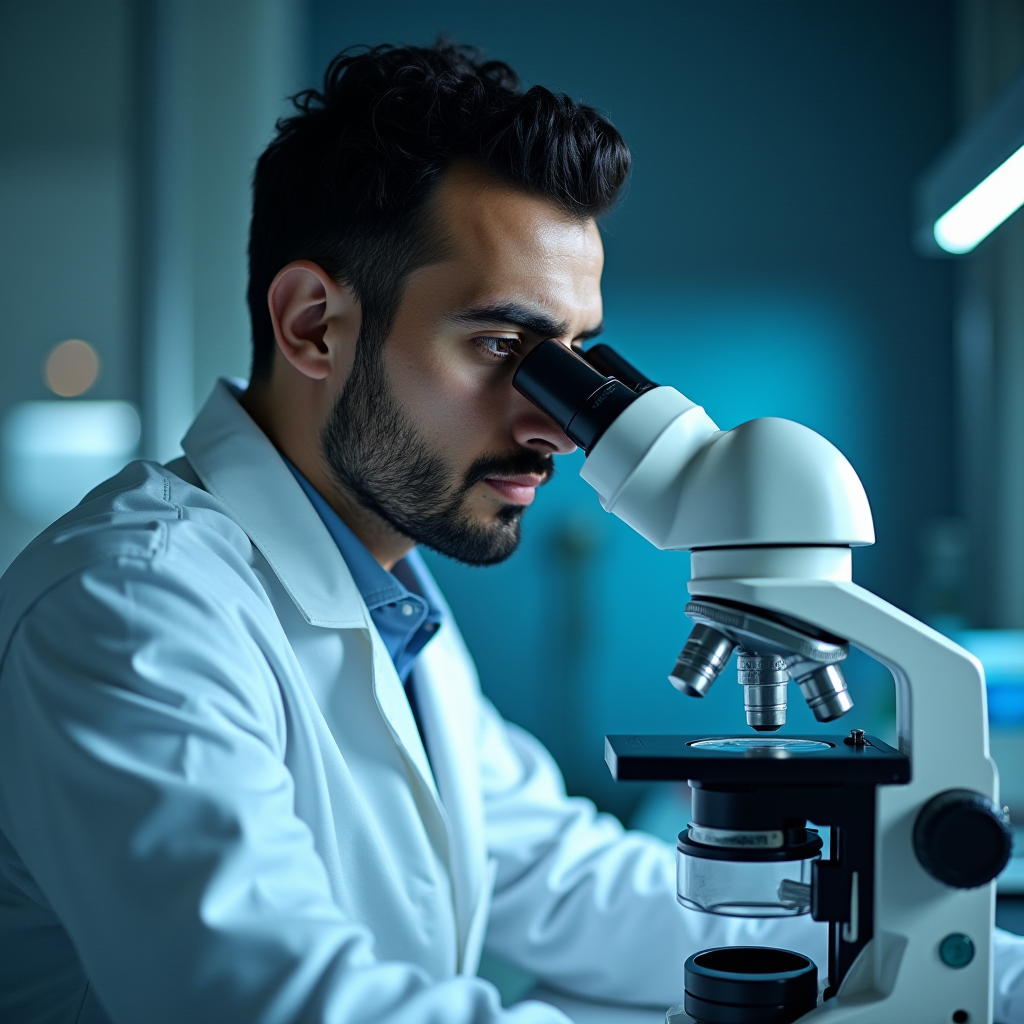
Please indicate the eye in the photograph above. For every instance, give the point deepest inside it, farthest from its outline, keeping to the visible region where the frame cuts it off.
(497, 348)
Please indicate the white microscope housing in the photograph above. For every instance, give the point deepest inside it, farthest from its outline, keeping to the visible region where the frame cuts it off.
(770, 511)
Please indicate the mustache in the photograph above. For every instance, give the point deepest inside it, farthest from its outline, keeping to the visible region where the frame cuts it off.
(517, 463)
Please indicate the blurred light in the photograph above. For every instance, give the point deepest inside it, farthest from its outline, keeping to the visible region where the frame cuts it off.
(71, 368)
(55, 452)
(1001, 653)
(984, 208)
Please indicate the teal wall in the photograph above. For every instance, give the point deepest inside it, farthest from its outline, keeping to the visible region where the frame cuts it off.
(761, 264)
(65, 214)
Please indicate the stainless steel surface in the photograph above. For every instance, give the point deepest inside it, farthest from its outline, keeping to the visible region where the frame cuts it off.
(764, 679)
(706, 653)
(796, 894)
(810, 660)
(826, 694)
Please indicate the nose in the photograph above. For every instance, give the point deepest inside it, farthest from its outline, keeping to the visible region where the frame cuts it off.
(534, 429)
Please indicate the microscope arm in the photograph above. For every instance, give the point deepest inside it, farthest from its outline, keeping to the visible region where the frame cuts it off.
(941, 722)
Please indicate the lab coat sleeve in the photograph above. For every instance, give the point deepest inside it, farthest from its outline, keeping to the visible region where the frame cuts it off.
(1008, 977)
(584, 904)
(143, 785)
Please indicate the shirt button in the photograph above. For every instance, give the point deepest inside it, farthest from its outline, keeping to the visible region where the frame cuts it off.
(407, 609)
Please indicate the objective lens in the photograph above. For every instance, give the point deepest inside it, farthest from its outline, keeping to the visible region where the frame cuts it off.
(826, 693)
(764, 679)
(702, 659)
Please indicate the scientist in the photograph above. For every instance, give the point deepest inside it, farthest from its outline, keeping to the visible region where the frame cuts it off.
(246, 770)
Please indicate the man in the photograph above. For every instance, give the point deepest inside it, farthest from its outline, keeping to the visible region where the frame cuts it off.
(246, 770)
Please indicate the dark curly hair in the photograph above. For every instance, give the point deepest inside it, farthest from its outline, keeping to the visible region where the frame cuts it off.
(347, 179)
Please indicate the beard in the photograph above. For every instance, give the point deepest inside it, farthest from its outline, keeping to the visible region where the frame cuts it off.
(381, 459)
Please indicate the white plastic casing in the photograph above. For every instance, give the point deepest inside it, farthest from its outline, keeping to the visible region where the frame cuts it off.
(664, 468)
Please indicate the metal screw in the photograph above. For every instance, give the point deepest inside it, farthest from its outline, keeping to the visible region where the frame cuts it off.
(856, 738)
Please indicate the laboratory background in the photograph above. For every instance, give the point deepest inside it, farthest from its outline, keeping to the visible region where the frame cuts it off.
(766, 261)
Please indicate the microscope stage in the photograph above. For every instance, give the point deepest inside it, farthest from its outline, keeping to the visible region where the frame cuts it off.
(761, 759)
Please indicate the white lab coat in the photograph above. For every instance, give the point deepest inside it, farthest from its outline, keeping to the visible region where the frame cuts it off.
(215, 803)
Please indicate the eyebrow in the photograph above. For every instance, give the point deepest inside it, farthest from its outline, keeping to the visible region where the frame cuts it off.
(520, 314)
(592, 333)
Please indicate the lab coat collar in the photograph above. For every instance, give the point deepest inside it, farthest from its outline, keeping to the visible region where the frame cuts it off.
(238, 465)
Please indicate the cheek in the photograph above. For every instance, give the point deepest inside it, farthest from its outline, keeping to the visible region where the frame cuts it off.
(454, 406)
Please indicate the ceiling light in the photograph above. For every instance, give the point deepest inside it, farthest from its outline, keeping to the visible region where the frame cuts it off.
(984, 208)
(976, 183)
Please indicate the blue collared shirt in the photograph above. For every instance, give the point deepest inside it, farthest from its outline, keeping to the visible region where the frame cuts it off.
(403, 604)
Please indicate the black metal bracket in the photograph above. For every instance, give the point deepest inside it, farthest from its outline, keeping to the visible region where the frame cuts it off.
(832, 783)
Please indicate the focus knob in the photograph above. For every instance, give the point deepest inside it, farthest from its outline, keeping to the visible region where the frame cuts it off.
(962, 839)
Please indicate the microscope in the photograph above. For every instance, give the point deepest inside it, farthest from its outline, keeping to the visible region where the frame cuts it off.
(770, 511)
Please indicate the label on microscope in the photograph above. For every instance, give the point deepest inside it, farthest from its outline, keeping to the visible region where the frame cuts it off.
(728, 838)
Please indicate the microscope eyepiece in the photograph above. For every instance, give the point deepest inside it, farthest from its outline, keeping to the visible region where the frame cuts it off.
(579, 398)
(611, 364)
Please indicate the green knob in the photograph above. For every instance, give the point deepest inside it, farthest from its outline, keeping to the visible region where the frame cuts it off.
(956, 950)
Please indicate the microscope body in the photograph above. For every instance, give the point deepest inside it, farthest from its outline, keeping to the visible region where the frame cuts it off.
(770, 511)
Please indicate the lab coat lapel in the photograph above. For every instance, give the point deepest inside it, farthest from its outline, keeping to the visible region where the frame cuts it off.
(237, 464)
(446, 694)
(394, 706)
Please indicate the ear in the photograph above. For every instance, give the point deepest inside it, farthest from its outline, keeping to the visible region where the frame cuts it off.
(316, 320)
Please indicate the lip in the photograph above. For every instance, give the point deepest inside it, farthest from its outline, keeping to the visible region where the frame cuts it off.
(516, 490)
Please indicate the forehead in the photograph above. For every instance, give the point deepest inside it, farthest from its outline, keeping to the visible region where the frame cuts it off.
(508, 244)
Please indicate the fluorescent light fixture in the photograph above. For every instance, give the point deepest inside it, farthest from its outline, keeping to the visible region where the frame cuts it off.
(984, 208)
(55, 452)
(976, 183)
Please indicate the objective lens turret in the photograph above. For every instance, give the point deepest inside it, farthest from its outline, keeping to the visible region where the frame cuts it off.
(771, 650)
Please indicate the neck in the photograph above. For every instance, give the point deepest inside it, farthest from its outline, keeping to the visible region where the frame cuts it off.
(298, 440)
